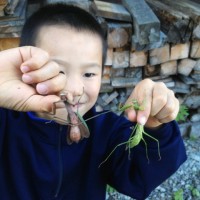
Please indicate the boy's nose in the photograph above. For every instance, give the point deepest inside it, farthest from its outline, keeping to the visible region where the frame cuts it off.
(75, 86)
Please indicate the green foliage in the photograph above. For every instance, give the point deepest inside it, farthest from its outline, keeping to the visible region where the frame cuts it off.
(182, 114)
(195, 192)
(178, 195)
(110, 189)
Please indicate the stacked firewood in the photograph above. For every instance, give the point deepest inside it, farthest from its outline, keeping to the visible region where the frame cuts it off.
(152, 39)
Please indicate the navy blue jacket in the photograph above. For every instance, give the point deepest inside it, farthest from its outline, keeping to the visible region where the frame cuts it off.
(37, 163)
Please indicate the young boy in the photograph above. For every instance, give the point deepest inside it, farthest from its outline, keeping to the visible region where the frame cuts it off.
(36, 162)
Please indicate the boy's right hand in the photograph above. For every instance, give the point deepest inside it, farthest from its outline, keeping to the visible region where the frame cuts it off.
(29, 80)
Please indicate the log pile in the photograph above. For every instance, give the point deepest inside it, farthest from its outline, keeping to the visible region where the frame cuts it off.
(170, 53)
(152, 39)
(12, 17)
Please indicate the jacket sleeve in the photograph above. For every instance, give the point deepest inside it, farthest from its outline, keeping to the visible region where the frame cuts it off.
(2, 127)
(138, 176)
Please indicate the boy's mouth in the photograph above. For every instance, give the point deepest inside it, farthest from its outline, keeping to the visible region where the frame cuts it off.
(75, 107)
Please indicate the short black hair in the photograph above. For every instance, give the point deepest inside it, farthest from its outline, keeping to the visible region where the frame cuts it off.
(61, 14)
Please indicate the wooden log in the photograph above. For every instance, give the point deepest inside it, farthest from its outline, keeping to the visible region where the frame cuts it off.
(159, 55)
(151, 70)
(11, 28)
(185, 6)
(8, 43)
(195, 49)
(146, 24)
(189, 8)
(168, 81)
(32, 7)
(122, 82)
(106, 88)
(185, 66)
(153, 45)
(196, 76)
(168, 68)
(109, 57)
(159, 78)
(119, 35)
(197, 66)
(138, 58)
(15, 8)
(3, 4)
(181, 88)
(85, 4)
(11, 25)
(111, 97)
(120, 72)
(196, 32)
(107, 70)
(180, 51)
(186, 79)
(120, 59)
(112, 11)
(105, 79)
(175, 24)
(135, 72)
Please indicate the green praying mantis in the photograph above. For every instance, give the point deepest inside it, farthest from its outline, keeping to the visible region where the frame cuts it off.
(136, 135)
(77, 125)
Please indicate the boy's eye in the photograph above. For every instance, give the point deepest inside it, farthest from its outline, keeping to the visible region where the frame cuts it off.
(89, 75)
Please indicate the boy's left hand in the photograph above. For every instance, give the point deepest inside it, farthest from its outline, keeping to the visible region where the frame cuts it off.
(160, 104)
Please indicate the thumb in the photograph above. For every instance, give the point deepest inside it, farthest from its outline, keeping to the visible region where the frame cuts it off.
(39, 103)
(32, 58)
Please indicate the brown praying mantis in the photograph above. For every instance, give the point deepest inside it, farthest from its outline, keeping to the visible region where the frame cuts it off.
(77, 127)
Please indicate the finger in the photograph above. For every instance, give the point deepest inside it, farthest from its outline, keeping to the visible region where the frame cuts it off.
(169, 107)
(145, 104)
(68, 96)
(130, 113)
(38, 103)
(159, 98)
(54, 85)
(144, 98)
(172, 115)
(46, 72)
(32, 58)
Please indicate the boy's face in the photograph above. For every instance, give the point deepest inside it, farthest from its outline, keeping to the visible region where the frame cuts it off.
(79, 56)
